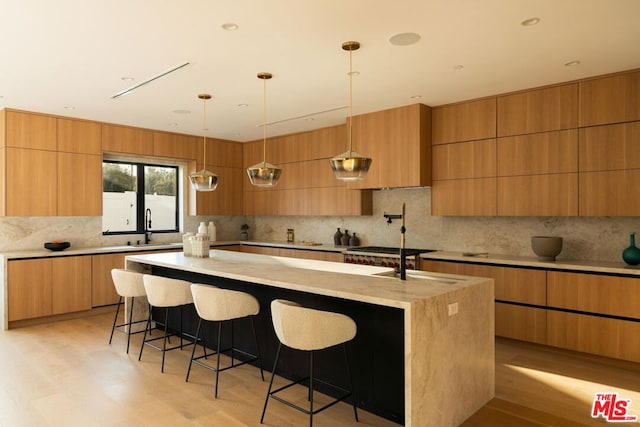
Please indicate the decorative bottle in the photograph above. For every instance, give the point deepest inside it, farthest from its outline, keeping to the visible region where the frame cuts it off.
(344, 240)
(354, 241)
(202, 228)
(337, 237)
(631, 255)
(212, 231)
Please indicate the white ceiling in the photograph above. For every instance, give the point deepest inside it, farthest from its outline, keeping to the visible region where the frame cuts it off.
(73, 53)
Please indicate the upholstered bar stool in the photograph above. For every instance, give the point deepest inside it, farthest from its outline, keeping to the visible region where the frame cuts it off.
(223, 305)
(163, 292)
(310, 330)
(128, 284)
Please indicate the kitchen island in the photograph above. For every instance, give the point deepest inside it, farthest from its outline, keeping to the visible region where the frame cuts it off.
(433, 334)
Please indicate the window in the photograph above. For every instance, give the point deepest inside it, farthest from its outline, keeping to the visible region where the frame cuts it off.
(125, 206)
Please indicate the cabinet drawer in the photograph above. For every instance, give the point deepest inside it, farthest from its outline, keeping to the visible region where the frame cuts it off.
(617, 296)
(521, 323)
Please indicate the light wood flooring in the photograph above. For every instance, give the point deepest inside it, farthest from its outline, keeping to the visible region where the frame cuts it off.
(66, 374)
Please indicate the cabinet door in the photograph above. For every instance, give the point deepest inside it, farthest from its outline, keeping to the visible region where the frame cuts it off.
(611, 99)
(28, 130)
(31, 182)
(29, 288)
(128, 140)
(175, 146)
(398, 142)
(103, 292)
(540, 153)
(538, 195)
(473, 159)
(609, 193)
(71, 284)
(79, 136)
(223, 153)
(467, 121)
(228, 197)
(464, 197)
(612, 147)
(79, 185)
(539, 110)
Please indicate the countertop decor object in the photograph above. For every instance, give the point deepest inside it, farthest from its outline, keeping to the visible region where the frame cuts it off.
(344, 240)
(244, 232)
(57, 245)
(203, 180)
(264, 174)
(546, 248)
(631, 255)
(337, 238)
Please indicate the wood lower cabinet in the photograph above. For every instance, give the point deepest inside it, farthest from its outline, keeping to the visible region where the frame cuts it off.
(46, 286)
(291, 253)
(71, 284)
(513, 288)
(103, 292)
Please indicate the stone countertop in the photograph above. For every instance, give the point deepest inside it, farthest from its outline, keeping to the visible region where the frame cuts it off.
(533, 262)
(44, 253)
(375, 285)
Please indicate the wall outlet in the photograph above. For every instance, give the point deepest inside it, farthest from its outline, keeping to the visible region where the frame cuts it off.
(452, 308)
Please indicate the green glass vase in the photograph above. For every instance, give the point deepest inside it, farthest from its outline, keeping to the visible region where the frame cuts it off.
(631, 255)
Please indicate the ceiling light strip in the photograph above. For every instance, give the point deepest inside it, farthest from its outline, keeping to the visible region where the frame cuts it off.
(156, 77)
(304, 116)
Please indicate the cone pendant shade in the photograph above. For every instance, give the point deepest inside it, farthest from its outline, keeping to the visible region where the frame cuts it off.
(203, 180)
(350, 166)
(264, 174)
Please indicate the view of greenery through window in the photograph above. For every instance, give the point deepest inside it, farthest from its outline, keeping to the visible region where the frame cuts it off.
(124, 208)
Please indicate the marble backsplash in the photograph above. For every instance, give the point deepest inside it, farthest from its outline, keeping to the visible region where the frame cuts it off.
(597, 239)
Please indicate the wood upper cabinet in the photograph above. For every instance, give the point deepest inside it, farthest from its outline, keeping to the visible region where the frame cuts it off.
(464, 197)
(398, 142)
(609, 193)
(473, 159)
(309, 201)
(29, 288)
(176, 146)
(538, 195)
(127, 140)
(466, 121)
(540, 153)
(79, 136)
(539, 110)
(612, 99)
(79, 186)
(30, 130)
(611, 147)
(221, 153)
(103, 292)
(228, 197)
(71, 284)
(37, 171)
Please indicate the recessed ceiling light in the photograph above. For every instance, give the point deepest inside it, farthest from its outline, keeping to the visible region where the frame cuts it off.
(404, 39)
(181, 111)
(69, 107)
(353, 73)
(173, 125)
(529, 22)
(458, 67)
(572, 63)
(230, 26)
(309, 119)
(127, 79)
(243, 105)
(416, 97)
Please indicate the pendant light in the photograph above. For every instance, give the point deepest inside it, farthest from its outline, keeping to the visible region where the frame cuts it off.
(204, 180)
(264, 174)
(350, 166)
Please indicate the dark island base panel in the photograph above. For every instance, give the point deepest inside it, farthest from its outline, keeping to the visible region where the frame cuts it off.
(376, 354)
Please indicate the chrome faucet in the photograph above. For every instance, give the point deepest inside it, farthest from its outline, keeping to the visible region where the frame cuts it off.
(403, 252)
(147, 226)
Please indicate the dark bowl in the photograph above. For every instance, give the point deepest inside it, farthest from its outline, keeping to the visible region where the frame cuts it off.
(57, 246)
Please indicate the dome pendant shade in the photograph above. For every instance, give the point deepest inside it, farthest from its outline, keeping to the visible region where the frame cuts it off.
(204, 180)
(264, 174)
(350, 166)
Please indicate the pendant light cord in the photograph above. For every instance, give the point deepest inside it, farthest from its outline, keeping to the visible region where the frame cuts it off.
(264, 121)
(204, 134)
(350, 100)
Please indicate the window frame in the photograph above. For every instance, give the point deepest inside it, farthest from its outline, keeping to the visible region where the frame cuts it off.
(140, 195)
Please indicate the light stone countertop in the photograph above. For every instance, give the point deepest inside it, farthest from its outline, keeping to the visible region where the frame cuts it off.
(560, 264)
(374, 285)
